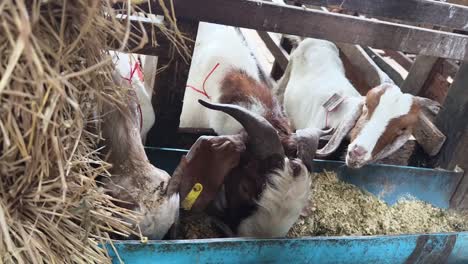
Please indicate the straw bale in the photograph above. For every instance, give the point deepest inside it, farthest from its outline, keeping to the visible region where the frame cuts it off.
(54, 73)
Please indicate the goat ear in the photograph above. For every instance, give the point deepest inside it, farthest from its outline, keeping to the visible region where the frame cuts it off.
(307, 143)
(341, 131)
(208, 162)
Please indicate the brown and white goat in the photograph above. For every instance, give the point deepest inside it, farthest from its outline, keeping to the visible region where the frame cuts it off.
(138, 184)
(257, 169)
(377, 124)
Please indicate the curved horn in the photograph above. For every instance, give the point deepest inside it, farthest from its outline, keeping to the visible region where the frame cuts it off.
(262, 136)
(341, 131)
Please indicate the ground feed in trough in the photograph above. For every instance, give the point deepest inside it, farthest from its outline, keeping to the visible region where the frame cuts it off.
(338, 208)
(341, 209)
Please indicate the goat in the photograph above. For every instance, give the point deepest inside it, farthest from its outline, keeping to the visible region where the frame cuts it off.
(377, 124)
(127, 66)
(135, 183)
(256, 171)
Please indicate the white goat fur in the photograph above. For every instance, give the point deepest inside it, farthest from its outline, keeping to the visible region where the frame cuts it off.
(316, 74)
(124, 64)
(280, 204)
(215, 44)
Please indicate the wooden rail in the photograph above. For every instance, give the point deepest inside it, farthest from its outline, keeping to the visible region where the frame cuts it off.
(414, 11)
(266, 16)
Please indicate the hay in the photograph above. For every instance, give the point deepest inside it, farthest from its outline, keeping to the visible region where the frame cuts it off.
(339, 208)
(54, 72)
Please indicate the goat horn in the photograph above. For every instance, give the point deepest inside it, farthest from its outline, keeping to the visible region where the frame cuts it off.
(341, 132)
(263, 137)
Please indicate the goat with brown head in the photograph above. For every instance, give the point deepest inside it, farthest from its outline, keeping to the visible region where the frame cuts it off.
(256, 171)
(264, 190)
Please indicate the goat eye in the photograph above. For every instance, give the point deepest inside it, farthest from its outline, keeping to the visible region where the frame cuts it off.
(401, 131)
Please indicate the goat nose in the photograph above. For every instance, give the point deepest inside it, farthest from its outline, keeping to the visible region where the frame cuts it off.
(358, 151)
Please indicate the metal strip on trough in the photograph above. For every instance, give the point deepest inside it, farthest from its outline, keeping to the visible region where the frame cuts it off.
(411, 249)
(415, 11)
(266, 16)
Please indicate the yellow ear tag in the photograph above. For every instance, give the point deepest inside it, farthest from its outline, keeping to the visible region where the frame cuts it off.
(192, 196)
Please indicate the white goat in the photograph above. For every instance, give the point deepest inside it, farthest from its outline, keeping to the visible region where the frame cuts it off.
(377, 124)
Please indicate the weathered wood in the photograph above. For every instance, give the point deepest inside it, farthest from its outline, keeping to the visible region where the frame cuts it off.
(271, 17)
(414, 11)
(384, 66)
(276, 70)
(449, 68)
(437, 89)
(169, 90)
(402, 156)
(399, 57)
(428, 136)
(418, 74)
(451, 120)
(281, 56)
(360, 69)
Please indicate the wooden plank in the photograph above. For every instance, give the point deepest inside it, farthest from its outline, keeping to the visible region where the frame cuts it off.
(428, 136)
(281, 56)
(414, 11)
(400, 57)
(276, 70)
(449, 68)
(451, 120)
(418, 74)
(169, 90)
(271, 17)
(384, 66)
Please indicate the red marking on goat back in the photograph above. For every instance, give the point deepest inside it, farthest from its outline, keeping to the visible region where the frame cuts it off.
(135, 69)
(139, 71)
(204, 82)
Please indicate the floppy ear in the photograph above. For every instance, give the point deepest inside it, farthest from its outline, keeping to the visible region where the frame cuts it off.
(307, 143)
(208, 162)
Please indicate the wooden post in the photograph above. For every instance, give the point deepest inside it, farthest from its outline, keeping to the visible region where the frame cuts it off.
(169, 90)
(418, 74)
(277, 71)
(452, 121)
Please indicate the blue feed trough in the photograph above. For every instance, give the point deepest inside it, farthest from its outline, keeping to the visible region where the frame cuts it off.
(390, 182)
